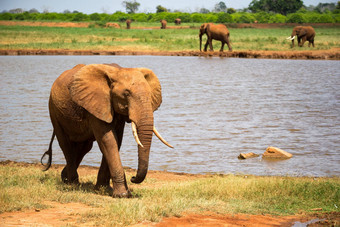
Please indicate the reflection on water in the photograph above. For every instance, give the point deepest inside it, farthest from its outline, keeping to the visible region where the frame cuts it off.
(213, 109)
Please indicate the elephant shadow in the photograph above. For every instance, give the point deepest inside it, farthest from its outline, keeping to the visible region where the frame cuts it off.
(90, 187)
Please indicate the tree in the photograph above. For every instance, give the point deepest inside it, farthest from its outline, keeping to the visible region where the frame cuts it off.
(322, 7)
(220, 7)
(17, 10)
(33, 10)
(231, 10)
(204, 10)
(283, 7)
(131, 6)
(161, 9)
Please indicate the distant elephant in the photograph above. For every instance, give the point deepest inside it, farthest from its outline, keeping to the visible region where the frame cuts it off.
(93, 102)
(303, 33)
(128, 24)
(178, 21)
(163, 24)
(214, 31)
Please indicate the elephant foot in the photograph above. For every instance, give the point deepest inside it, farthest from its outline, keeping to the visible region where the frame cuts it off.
(122, 195)
(66, 180)
(121, 191)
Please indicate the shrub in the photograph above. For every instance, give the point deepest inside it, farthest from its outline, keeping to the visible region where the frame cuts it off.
(198, 18)
(295, 18)
(224, 18)
(80, 17)
(262, 17)
(243, 18)
(140, 17)
(95, 17)
(119, 16)
(326, 18)
(277, 18)
(6, 16)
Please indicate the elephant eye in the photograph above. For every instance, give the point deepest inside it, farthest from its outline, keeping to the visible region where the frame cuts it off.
(127, 93)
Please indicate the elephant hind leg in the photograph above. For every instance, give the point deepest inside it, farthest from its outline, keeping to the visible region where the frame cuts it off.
(74, 153)
(222, 46)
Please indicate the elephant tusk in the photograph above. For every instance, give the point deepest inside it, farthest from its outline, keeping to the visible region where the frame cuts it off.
(160, 137)
(292, 38)
(289, 38)
(134, 131)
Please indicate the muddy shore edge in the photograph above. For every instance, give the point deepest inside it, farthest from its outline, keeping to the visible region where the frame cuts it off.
(294, 54)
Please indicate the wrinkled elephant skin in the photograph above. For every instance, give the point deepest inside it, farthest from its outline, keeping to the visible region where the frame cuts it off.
(92, 103)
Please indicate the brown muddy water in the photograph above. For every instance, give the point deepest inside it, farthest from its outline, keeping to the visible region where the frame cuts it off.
(213, 109)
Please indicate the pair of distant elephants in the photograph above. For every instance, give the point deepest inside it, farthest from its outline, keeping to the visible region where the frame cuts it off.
(221, 33)
(93, 102)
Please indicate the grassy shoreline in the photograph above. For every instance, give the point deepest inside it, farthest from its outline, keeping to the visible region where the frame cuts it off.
(24, 186)
(16, 39)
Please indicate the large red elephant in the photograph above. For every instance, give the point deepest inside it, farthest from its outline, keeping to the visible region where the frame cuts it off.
(93, 102)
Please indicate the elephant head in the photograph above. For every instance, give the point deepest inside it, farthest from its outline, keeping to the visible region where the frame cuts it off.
(297, 31)
(134, 93)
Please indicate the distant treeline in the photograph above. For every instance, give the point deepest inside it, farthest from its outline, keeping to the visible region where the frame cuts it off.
(301, 16)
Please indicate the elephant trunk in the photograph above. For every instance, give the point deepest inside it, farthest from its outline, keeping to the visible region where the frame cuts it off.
(144, 132)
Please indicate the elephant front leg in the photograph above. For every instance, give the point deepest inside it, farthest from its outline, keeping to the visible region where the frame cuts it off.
(206, 46)
(108, 144)
(103, 179)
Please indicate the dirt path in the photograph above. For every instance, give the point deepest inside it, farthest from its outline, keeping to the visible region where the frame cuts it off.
(70, 213)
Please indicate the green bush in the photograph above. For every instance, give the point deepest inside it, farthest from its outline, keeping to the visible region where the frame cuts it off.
(296, 18)
(6, 16)
(95, 17)
(262, 17)
(80, 17)
(326, 18)
(224, 18)
(302, 16)
(199, 18)
(118, 16)
(277, 18)
(140, 17)
(243, 18)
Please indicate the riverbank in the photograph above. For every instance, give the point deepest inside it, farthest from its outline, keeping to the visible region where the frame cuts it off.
(32, 197)
(333, 54)
(248, 41)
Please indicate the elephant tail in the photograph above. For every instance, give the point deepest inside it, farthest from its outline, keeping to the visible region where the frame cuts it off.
(49, 153)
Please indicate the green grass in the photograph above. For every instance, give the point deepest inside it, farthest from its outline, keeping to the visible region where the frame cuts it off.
(24, 188)
(24, 37)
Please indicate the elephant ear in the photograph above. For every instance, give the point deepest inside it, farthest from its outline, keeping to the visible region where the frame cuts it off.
(90, 89)
(302, 31)
(155, 85)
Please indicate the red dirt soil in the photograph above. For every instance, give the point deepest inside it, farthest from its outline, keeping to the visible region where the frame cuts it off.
(70, 213)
